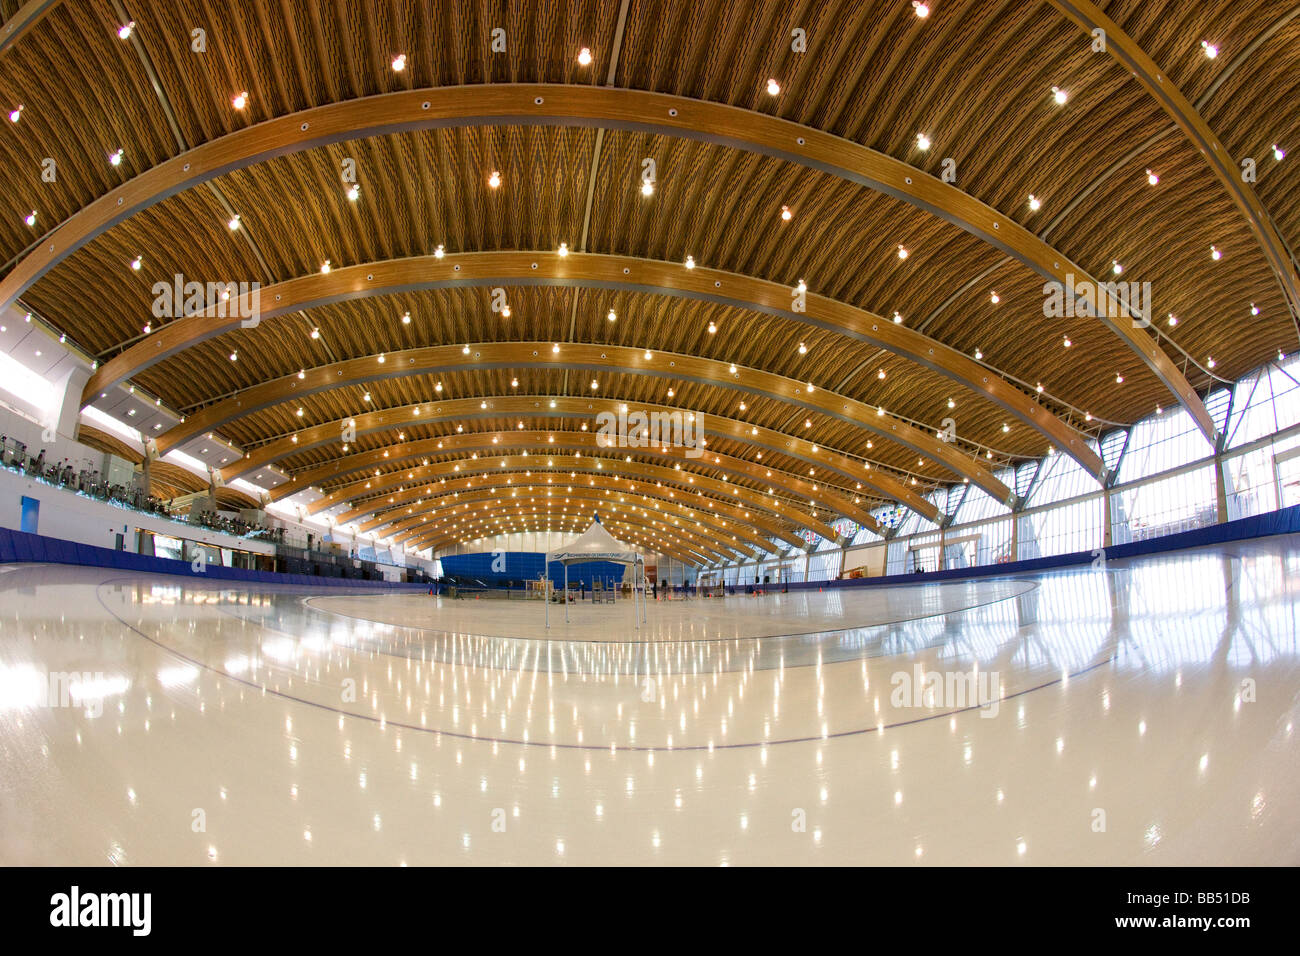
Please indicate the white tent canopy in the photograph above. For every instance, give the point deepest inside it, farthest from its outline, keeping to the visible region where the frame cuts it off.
(596, 544)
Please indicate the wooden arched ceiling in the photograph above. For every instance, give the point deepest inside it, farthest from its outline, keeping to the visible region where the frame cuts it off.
(736, 536)
(417, 484)
(611, 273)
(104, 441)
(974, 77)
(390, 517)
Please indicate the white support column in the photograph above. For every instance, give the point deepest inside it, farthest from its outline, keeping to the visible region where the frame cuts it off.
(64, 416)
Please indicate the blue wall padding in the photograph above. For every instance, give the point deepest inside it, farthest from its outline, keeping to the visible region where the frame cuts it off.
(1286, 521)
(523, 566)
(17, 546)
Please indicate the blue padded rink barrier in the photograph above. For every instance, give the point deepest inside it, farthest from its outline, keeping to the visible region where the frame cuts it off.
(1160, 687)
(21, 547)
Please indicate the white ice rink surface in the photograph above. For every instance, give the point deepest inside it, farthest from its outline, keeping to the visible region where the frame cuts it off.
(1145, 714)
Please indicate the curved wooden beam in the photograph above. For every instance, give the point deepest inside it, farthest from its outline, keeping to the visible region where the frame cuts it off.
(502, 269)
(365, 493)
(531, 406)
(686, 551)
(687, 538)
(743, 522)
(667, 482)
(540, 442)
(549, 104)
(1129, 54)
(398, 530)
(597, 358)
(24, 21)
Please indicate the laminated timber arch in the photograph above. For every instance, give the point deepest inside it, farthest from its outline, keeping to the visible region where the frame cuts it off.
(426, 475)
(482, 527)
(686, 539)
(532, 406)
(598, 358)
(491, 269)
(398, 513)
(476, 442)
(601, 107)
(23, 21)
(408, 526)
(689, 552)
(1130, 55)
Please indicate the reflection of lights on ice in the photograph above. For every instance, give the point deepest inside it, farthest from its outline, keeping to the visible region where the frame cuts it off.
(97, 687)
(182, 674)
(22, 686)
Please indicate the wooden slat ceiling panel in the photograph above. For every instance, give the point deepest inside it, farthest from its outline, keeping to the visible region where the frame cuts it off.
(84, 95)
(1248, 112)
(111, 303)
(1171, 33)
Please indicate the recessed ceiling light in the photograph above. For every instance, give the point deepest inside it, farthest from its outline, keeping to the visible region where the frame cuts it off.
(325, 267)
(1215, 254)
(773, 87)
(786, 214)
(994, 298)
(1211, 51)
(439, 252)
(902, 252)
(354, 192)
(399, 63)
(922, 10)
(494, 180)
(922, 142)
(31, 218)
(17, 114)
(1034, 203)
(690, 262)
(1278, 154)
(1115, 267)
(136, 263)
(115, 159)
(124, 32)
(584, 57)
(1059, 95)
(1152, 178)
(406, 318)
(234, 222)
(1254, 309)
(240, 100)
